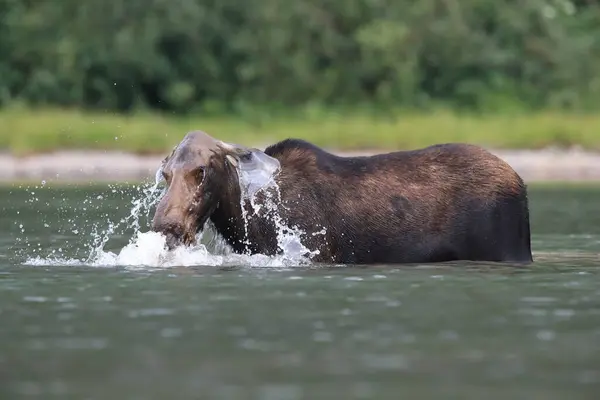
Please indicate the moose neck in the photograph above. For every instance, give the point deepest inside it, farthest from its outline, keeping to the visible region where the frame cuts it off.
(244, 232)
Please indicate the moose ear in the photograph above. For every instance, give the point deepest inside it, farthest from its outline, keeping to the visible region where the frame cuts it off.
(158, 176)
(232, 160)
(255, 169)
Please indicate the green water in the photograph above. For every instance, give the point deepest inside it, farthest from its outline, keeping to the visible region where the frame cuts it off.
(459, 331)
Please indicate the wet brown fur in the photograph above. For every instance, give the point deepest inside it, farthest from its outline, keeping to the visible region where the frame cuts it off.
(441, 203)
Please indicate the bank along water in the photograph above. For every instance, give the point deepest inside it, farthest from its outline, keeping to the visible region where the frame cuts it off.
(147, 249)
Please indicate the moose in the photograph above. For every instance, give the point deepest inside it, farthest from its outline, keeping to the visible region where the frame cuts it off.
(445, 202)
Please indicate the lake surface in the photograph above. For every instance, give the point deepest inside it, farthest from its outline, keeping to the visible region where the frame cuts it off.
(76, 329)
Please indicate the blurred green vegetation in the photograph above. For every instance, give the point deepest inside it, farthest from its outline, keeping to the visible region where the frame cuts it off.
(53, 129)
(509, 73)
(222, 55)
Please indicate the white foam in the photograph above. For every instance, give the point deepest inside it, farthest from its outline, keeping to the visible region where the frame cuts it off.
(148, 250)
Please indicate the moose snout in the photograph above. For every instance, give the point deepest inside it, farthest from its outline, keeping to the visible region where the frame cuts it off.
(172, 231)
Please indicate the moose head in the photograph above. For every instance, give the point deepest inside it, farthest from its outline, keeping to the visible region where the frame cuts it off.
(202, 174)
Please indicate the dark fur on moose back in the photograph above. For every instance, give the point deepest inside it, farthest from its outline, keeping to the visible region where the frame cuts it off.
(441, 203)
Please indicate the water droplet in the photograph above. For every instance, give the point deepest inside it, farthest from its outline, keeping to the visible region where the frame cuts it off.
(35, 299)
(322, 336)
(171, 332)
(546, 335)
(354, 278)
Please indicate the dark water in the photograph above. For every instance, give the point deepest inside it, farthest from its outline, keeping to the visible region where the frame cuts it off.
(462, 331)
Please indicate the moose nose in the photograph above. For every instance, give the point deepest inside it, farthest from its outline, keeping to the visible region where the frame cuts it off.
(172, 232)
(172, 240)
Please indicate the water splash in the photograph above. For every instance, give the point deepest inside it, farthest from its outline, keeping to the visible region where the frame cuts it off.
(143, 248)
(147, 249)
(257, 175)
(150, 196)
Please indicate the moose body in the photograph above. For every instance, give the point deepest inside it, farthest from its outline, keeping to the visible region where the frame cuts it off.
(442, 203)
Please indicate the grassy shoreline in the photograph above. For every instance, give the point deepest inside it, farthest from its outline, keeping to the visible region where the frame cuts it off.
(28, 131)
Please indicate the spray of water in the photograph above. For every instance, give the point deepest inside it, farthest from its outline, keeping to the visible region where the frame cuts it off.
(147, 249)
(256, 176)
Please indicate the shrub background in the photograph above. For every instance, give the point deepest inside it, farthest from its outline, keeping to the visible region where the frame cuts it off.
(224, 56)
